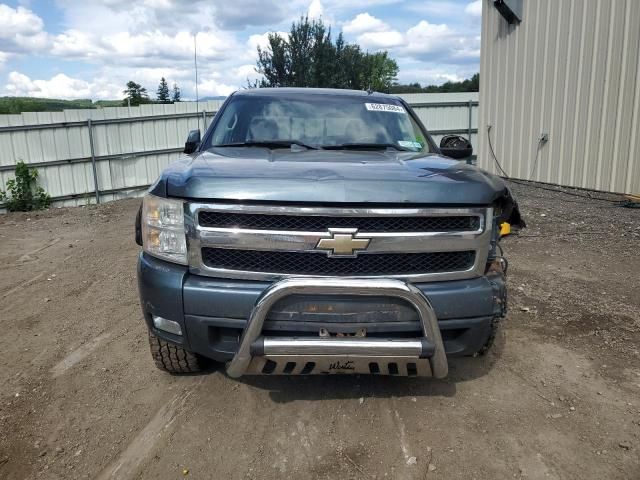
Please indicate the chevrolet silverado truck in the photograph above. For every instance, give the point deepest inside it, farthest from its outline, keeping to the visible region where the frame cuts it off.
(315, 231)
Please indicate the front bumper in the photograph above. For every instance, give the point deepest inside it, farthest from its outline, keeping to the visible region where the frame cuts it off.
(213, 313)
(422, 355)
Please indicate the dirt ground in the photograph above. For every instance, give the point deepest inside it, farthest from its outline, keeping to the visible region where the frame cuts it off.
(558, 397)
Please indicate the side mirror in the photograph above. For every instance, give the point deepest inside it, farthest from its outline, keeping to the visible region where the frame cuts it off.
(193, 140)
(455, 146)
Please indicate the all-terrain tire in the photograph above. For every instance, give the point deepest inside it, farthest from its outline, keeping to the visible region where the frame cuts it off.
(173, 358)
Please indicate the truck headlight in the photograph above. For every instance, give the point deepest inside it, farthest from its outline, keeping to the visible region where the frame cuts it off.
(163, 233)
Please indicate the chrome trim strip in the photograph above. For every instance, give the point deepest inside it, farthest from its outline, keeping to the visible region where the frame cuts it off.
(337, 286)
(273, 241)
(334, 211)
(382, 347)
(300, 241)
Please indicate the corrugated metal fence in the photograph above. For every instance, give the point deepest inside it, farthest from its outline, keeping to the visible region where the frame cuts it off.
(83, 156)
(447, 113)
(118, 150)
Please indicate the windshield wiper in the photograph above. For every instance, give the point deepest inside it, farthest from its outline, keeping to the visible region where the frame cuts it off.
(272, 144)
(363, 146)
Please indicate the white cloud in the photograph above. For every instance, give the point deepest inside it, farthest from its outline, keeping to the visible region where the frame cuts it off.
(372, 33)
(474, 8)
(244, 72)
(18, 21)
(60, 86)
(423, 41)
(381, 40)
(195, 15)
(262, 41)
(76, 44)
(428, 41)
(21, 31)
(364, 22)
(427, 37)
(212, 87)
(239, 14)
(342, 5)
(113, 41)
(436, 8)
(433, 76)
(315, 9)
(144, 48)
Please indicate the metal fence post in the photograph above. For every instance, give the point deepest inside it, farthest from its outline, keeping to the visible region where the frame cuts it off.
(204, 120)
(469, 128)
(470, 118)
(93, 161)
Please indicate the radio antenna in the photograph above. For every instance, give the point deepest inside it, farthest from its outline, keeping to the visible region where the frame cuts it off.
(195, 64)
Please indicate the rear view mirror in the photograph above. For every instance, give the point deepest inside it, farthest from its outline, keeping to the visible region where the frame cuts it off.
(193, 140)
(455, 146)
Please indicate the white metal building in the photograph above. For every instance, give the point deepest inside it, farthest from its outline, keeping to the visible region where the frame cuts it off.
(569, 69)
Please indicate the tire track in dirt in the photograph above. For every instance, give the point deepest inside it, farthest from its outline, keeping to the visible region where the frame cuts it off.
(140, 448)
(78, 354)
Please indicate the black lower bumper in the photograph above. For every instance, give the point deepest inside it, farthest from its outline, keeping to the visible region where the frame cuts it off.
(213, 312)
(218, 338)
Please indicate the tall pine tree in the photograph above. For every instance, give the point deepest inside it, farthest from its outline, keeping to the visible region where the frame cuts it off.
(176, 95)
(162, 94)
(135, 94)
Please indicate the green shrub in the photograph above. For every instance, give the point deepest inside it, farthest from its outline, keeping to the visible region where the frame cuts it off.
(23, 193)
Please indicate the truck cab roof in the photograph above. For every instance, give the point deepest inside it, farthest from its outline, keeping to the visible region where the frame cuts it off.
(335, 92)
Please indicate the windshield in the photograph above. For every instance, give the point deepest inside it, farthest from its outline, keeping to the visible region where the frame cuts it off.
(318, 121)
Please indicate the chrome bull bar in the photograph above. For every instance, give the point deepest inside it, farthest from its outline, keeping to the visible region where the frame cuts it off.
(422, 356)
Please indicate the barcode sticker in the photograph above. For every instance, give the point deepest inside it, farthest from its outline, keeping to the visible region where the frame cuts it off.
(384, 107)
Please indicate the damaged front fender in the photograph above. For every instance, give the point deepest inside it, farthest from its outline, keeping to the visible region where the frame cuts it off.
(509, 210)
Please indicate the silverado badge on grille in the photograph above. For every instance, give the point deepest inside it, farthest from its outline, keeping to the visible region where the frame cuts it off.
(343, 242)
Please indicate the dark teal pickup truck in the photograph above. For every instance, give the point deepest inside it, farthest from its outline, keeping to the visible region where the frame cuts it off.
(313, 231)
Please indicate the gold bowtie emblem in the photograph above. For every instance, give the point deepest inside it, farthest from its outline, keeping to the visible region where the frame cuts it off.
(343, 242)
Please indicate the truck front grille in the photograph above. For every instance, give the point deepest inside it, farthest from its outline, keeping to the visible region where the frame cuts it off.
(321, 223)
(267, 242)
(305, 263)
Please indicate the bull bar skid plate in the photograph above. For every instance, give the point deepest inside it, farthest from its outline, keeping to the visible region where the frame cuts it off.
(422, 356)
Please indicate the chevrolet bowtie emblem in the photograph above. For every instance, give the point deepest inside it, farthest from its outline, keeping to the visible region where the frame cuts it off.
(343, 242)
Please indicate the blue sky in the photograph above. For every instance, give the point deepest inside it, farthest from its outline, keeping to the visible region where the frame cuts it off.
(91, 48)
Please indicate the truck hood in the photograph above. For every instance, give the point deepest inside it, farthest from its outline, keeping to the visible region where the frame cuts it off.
(328, 176)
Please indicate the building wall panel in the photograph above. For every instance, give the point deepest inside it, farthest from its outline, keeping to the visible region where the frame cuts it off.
(570, 69)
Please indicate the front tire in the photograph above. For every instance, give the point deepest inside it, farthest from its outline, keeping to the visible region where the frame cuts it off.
(173, 358)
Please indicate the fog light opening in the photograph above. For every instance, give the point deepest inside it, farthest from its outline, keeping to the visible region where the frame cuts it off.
(167, 325)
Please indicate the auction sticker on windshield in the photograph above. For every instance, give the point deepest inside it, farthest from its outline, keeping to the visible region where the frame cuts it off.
(384, 107)
(409, 144)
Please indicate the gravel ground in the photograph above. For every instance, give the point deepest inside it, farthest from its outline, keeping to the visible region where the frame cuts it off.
(558, 397)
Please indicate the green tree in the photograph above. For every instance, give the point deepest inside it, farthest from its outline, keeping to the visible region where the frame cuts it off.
(275, 62)
(162, 94)
(175, 95)
(135, 94)
(32, 104)
(378, 71)
(309, 58)
(470, 85)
